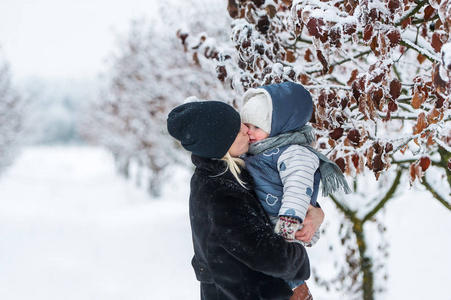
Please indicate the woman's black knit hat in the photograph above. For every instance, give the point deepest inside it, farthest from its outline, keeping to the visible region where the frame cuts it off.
(206, 128)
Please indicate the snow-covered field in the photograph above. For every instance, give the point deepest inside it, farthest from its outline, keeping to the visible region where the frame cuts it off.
(70, 228)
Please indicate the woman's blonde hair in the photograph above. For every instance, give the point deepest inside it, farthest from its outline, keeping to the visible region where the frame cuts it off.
(234, 164)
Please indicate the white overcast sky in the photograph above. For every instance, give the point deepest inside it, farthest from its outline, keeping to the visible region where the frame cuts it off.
(56, 39)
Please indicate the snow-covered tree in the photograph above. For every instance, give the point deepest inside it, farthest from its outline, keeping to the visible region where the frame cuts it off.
(151, 74)
(11, 111)
(379, 72)
(54, 108)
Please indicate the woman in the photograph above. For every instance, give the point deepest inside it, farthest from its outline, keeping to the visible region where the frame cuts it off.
(237, 255)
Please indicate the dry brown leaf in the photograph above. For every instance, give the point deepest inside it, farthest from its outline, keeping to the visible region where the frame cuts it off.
(383, 48)
(406, 22)
(290, 56)
(395, 89)
(368, 33)
(394, 36)
(403, 149)
(437, 42)
(271, 10)
(434, 116)
(441, 86)
(428, 12)
(417, 99)
(421, 58)
(424, 162)
(412, 174)
(369, 158)
(232, 8)
(336, 133)
(356, 160)
(341, 163)
(332, 143)
(393, 5)
(308, 56)
(354, 74)
(421, 123)
(430, 140)
(354, 136)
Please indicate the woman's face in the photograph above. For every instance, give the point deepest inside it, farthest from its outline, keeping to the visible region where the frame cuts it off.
(241, 143)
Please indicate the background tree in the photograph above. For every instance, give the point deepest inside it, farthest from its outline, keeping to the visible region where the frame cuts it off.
(379, 72)
(150, 74)
(11, 113)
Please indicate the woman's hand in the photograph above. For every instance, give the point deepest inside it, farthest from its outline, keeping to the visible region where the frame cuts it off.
(313, 220)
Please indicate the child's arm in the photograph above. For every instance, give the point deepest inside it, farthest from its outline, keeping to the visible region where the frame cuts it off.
(296, 166)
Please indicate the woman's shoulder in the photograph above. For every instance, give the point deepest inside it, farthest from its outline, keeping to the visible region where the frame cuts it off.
(226, 184)
(209, 165)
(222, 185)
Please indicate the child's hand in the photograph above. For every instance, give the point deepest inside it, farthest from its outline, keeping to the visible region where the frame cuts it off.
(287, 227)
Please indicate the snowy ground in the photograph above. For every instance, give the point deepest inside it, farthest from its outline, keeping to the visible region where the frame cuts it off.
(70, 228)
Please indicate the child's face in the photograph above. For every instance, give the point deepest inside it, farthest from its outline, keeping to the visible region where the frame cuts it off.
(255, 133)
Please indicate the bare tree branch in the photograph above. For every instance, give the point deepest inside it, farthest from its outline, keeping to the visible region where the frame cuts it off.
(435, 194)
(387, 196)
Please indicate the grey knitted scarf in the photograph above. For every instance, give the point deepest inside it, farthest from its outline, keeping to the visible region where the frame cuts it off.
(331, 175)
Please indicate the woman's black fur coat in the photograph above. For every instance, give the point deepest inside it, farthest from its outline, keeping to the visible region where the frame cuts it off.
(237, 255)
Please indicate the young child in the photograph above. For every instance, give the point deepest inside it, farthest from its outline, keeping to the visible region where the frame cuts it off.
(286, 170)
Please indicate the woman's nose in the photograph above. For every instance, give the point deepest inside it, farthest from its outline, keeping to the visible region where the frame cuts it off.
(245, 129)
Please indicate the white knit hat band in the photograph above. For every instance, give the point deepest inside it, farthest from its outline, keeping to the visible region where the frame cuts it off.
(256, 121)
(257, 110)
